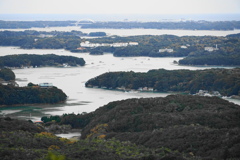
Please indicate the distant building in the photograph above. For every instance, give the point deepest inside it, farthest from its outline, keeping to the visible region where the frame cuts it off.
(133, 43)
(184, 47)
(166, 50)
(46, 85)
(91, 45)
(210, 49)
(81, 48)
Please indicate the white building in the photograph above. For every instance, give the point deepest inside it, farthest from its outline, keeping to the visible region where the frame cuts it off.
(210, 49)
(184, 47)
(166, 50)
(133, 43)
(91, 45)
(46, 85)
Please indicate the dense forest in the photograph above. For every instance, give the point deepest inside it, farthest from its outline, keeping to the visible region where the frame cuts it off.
(7, 74)
(24, 140)
(28, 60)
(225, 81)
(32, 94)
(204, 127)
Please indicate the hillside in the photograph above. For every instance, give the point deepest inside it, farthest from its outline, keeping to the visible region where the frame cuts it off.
(23, 140)
(181, 127)
(206, 127)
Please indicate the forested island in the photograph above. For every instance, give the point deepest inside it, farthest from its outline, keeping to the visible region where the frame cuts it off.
(30, 39)
(32, 60)
(187, 25)
(179, 127)
(225, 81)
(12, 94)
(196, 50)
(41, 40)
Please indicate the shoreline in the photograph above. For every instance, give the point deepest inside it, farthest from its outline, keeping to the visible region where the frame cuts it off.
(31, 104)
(236, 97)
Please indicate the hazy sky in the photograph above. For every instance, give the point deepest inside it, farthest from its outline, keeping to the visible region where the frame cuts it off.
(119, 6)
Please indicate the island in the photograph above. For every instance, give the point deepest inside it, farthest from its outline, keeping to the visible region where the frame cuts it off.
(224, 81)
(32, 94)
(11, 94)
(32, 60)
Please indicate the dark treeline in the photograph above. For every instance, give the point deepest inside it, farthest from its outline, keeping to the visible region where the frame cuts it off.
(189, 25)
(204, 127)
(7, 74)
(226, 81)
(31, 24)
(97, 34)
(11, 95)
(27, 60)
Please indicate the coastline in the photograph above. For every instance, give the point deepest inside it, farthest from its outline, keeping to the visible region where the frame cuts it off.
(31, 104)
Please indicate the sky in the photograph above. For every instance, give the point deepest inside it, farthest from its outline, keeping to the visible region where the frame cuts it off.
(119, 6)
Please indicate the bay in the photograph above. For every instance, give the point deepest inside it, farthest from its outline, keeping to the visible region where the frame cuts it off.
(72, 81)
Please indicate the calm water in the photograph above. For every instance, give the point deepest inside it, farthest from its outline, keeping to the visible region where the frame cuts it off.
(132, 32)
(72, 80)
